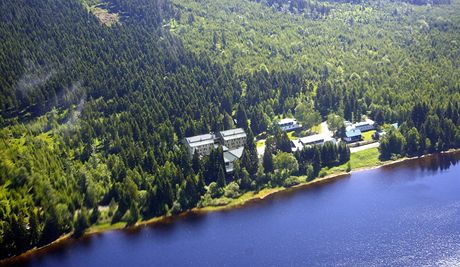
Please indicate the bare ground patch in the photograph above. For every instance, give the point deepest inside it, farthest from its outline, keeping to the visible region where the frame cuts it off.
(105, 16)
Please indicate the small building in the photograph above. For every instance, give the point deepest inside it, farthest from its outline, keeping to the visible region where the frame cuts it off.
(317, 139)
(352, 134)
(230, 156)
(203, 144)
(289, 124)
(364, 126)
(380, 133)
(233, 138)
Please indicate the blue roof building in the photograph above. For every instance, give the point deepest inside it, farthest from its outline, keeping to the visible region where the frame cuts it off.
(352, 135)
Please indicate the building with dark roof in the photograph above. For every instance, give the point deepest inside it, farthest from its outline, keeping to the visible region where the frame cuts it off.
(364, 126)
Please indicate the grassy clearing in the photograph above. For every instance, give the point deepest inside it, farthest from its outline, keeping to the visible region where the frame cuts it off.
(367, 136)
(101, 227)
(291, 135)
(361, 159)
(365, 158)
(244, 198)
(260, 143)
(316, 128)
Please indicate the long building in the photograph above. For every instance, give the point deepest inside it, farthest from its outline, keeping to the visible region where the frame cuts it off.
(317, 139)
(233, 138)
(366, 125)
(202, 144)
(289, 124)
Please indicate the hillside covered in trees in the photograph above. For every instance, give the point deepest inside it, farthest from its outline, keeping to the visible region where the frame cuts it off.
(92, 113)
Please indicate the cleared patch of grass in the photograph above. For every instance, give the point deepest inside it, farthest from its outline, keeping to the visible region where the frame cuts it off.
(260, 143)
(362, 159)
(367, 136)
(106, 226)
(291, 135)
(315, 129)
(365, 158)
(244, 198)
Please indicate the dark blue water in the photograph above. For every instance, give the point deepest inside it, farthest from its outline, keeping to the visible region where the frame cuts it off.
(404, 215)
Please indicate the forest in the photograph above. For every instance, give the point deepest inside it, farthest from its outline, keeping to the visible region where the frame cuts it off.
(92, 115)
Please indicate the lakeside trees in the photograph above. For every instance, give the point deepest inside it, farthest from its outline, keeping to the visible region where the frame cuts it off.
(424, 132)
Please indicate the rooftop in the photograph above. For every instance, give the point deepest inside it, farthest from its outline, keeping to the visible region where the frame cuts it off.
(287, 120)
(199, 140)
(353, 132)
(310, 140)
(363, 123)
(313, 138)
(233, 133)
(234, 154)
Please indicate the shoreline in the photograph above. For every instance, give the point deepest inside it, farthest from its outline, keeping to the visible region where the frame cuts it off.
(234, 204)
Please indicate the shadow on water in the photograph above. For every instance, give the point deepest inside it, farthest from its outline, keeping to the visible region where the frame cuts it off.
(59, 249)
(432, 163)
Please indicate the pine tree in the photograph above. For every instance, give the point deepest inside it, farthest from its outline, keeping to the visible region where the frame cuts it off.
(196, 163)
(250, 160)
(81, 223)
(268, 160)
(241, 117)
(343, 152)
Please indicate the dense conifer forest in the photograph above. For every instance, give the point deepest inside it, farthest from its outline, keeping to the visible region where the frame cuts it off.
(92, 115)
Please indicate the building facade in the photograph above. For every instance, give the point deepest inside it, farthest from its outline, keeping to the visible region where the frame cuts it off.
(289, 124)
(352, 135)
(317, 139)
(203, 144)
(233, 138)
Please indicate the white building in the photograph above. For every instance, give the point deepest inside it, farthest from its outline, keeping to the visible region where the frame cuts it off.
(233, 138)
(232, 142)
(289, 124)
(230, 156)
(200, 143)
(317, 139)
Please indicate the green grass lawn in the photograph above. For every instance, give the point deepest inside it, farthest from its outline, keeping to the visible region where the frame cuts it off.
(260, 143)
(315, 129)
(365, 158)
(360, 159)
(291, 135)
(367, 136)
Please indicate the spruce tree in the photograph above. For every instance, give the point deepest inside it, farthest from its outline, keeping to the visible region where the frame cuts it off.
(268, 160)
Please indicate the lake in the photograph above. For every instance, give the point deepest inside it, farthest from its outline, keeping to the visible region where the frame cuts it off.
(406, 214)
